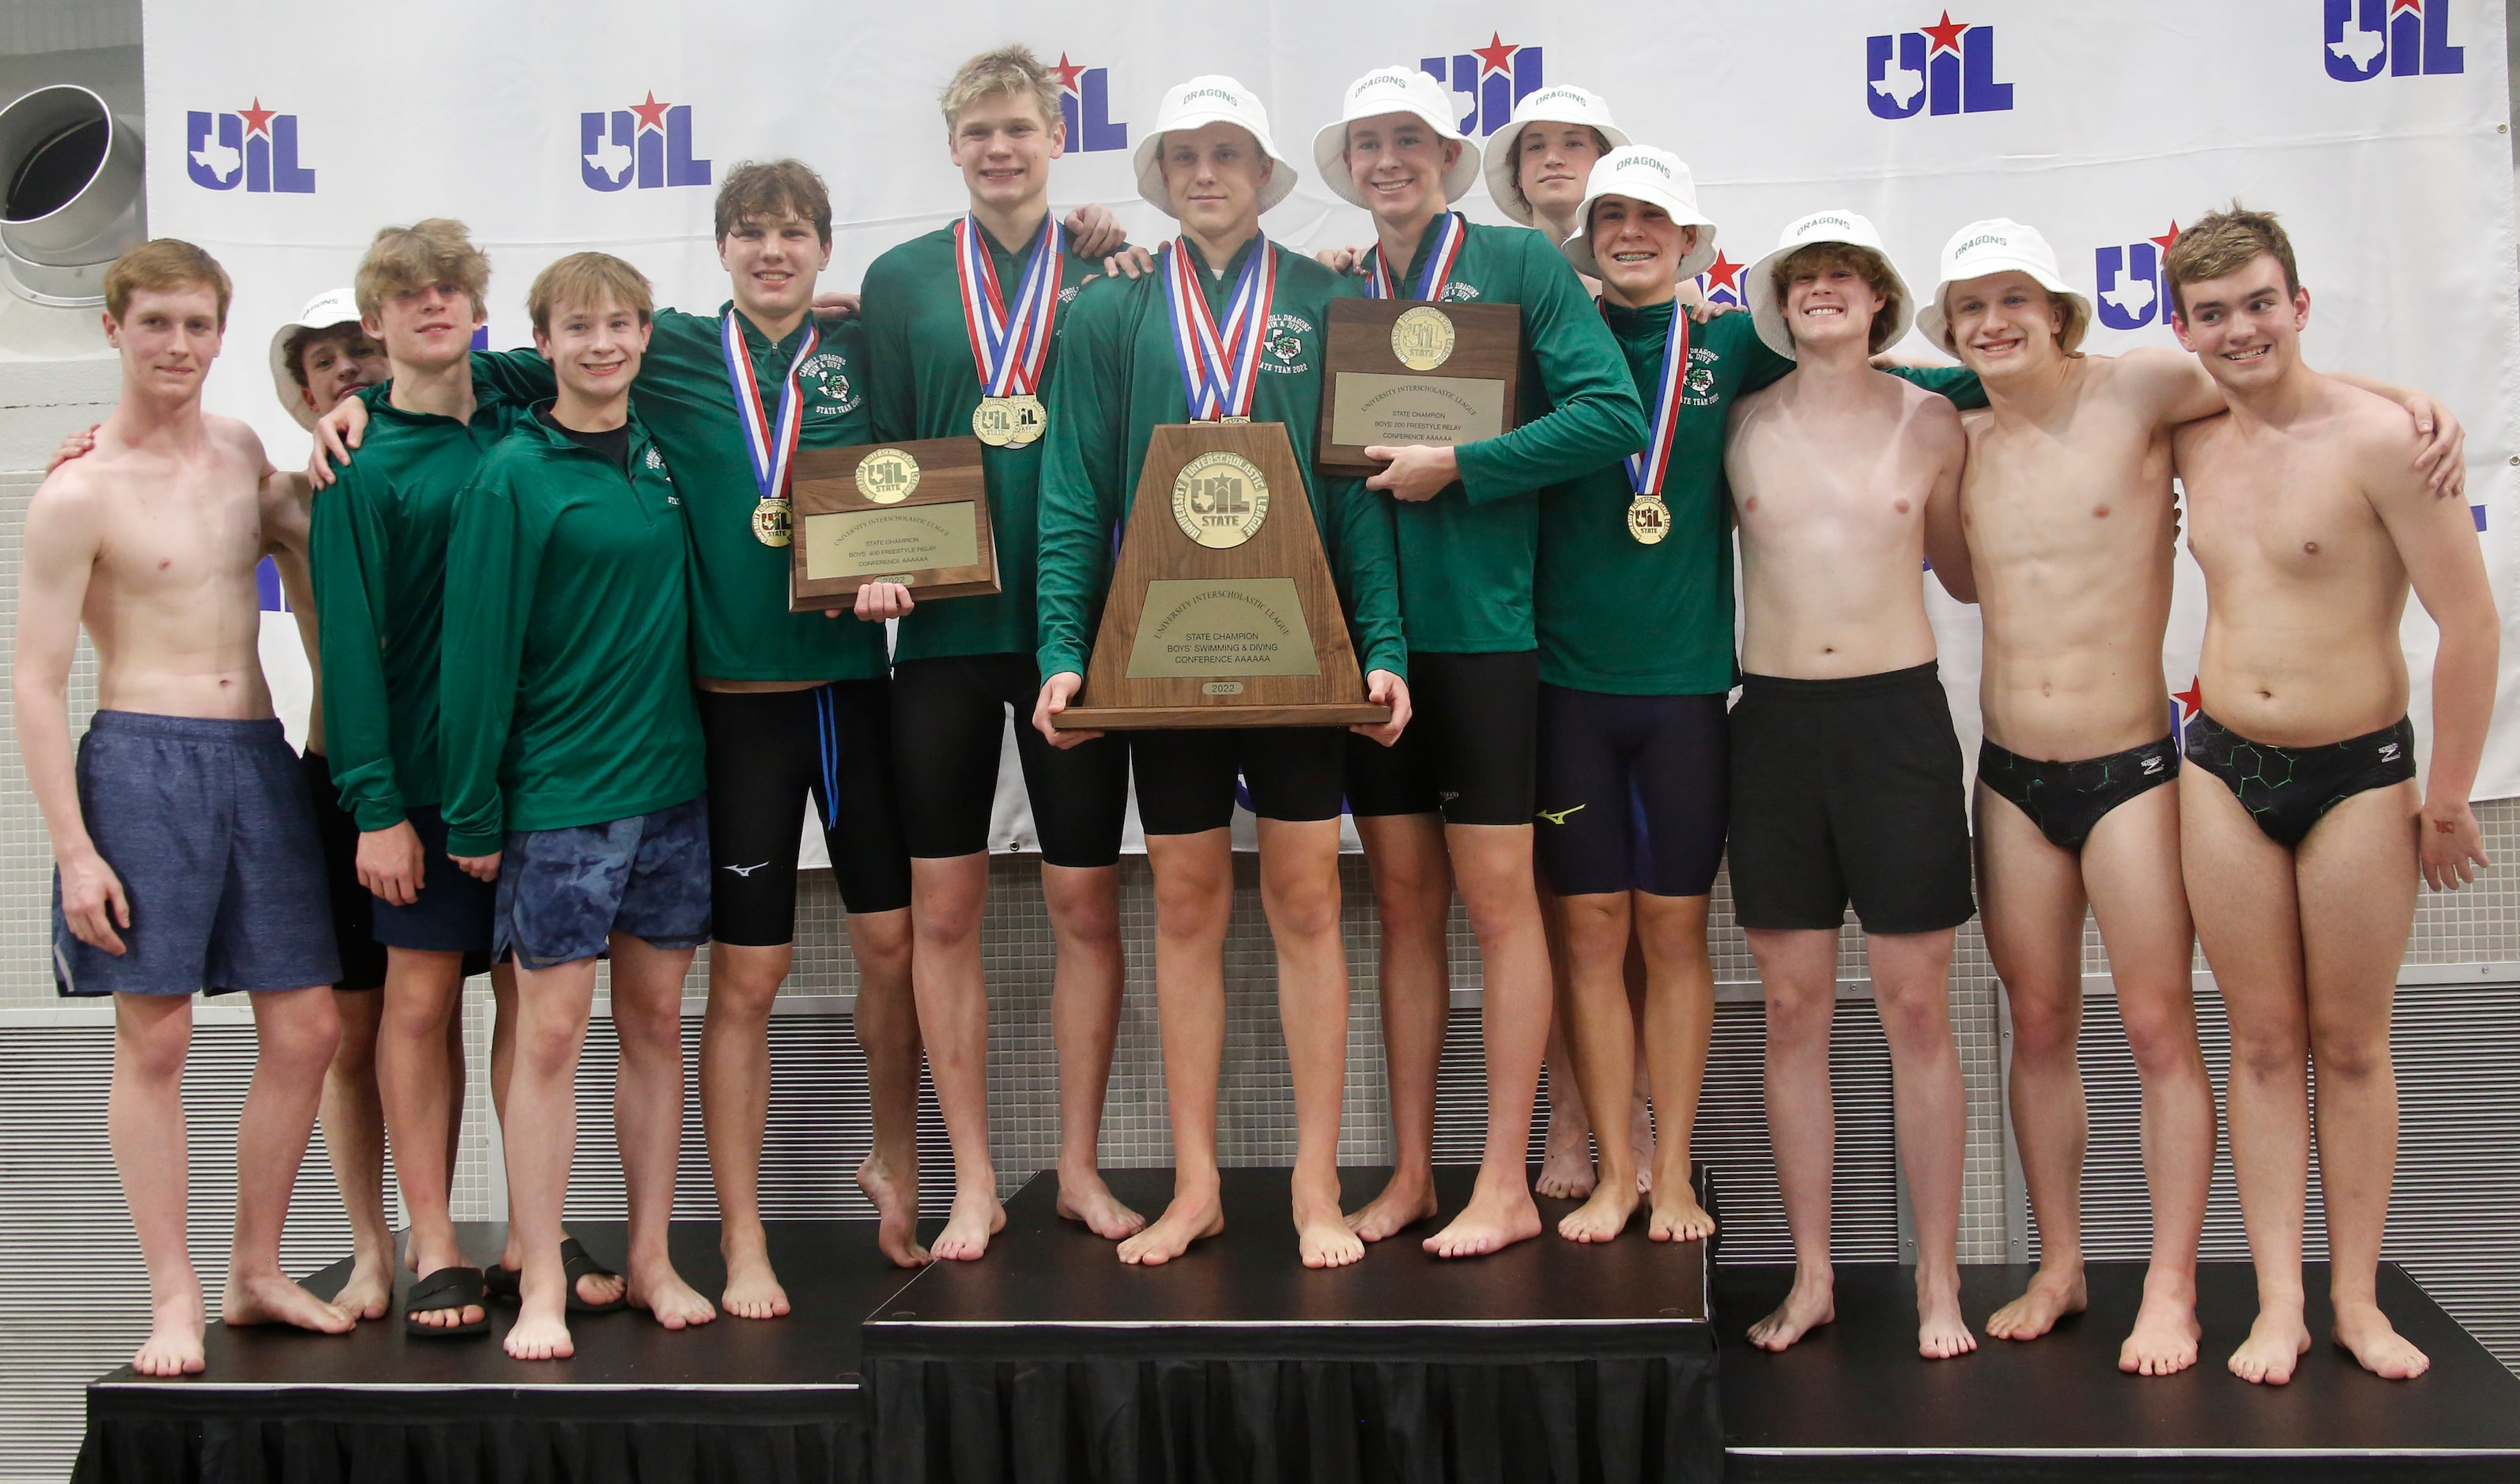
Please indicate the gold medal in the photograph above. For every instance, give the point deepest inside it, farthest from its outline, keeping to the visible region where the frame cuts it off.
(1649, 519)
(1220, 499)
(1009, 421)
(888, 475)
(1421, 339)
(769, 522)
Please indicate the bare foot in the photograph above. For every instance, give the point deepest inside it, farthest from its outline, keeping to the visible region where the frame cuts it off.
(1566, 1162)
(273, 1298)
(2276, 1342)
(370, 1288)
(673, 1303)
(975, 1217)
(1493, 1220)
(1811, 1304)
(1400, 1206)
(2165, 1336)
(2375, 1342)
(752, 1288)
(174, 1343)
(1941, 1332)
(1641, 1138)
(539, 1336)
(2050, 1296)
(1086, 1198)
(597, 1288)
(1322, 1234)
(1189, 1219)
(1678, 1217)
(896, 1205)
(1602, 1217)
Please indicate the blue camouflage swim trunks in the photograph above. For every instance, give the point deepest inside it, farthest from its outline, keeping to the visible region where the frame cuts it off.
(561, 892)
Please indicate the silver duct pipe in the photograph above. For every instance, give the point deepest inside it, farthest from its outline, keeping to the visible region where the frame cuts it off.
(71, 196)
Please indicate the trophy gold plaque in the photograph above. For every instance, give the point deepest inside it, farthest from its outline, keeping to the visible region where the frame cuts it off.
(1222, 612)
(916, 513)
(1407, 371)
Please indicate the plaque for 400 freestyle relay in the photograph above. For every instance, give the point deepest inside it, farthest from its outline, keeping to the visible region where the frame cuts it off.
(1407, 371)
(1222, 612)
(916, 513)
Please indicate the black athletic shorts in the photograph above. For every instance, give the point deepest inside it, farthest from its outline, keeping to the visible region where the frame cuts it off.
(1849, 788)
(767, 751)
(363, 958)
(949, 719)
(1632, 791)
(1469, 747)
(1189, 779)
(2289, 790)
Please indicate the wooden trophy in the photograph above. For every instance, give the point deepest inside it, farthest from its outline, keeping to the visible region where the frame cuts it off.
(1407, 371)
(1222, 612)
(916, 513)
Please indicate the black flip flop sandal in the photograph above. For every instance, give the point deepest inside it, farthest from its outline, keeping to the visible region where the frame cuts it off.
(577, 1263)
(504, 1284)
(456, 1288)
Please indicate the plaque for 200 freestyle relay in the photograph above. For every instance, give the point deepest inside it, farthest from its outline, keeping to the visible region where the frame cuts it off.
(914, 512)
(1409, 371)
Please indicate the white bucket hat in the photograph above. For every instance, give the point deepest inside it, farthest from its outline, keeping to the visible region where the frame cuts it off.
(337, 306)
(1394, 90)
(1210, 99)
(1836, 225)
(1563, 104)
(1656, 177)
(1998, 245)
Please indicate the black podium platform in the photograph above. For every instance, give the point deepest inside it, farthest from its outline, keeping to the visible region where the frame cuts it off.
(1547, 1361)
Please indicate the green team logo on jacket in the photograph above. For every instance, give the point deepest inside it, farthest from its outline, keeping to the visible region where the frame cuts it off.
(1288, 352)
(1459, 293)
(1698, 388)
(826, 382)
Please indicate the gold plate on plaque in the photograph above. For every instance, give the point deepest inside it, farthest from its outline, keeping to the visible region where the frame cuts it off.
(1008, 421)
(852, 543)
(1220, 499)
(1377, 408)
(1209, 626)
(888, 475)
(1422, 337)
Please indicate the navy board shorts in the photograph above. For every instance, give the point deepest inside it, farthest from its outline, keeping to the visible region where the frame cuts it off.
(451, 913)
(213, 830)
(564, 893)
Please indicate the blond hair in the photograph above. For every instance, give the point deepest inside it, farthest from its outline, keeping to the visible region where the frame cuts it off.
(162, 265)
(760, 189)
(1007, 69)
(1870, 266)
(588, 281)
(2220, 243)
(406, 260)
(1513, 179)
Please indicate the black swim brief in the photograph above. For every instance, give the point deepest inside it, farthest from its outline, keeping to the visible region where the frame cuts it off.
(2288, 790)
(2065, 800)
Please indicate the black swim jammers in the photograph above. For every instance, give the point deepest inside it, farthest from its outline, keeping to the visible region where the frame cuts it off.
(2067, 800)
(2289, 790)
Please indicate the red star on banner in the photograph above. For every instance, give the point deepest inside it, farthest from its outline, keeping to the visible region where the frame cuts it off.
(2193, 700)
(257, 120)
(1947, 36)
(1724, 273)
(1069, 72)
(2395, 6)
(1496, 54)
(651, 114)
(2164, 241)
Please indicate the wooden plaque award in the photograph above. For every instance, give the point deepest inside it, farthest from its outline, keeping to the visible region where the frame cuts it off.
(1407, 371)
(1222, 612)
(916, 513)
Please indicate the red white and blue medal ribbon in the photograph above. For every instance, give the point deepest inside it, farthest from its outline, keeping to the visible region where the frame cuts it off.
(1219, 365)
(1649, 517)
(1439, 263)
(770, 441)
(1010, 349)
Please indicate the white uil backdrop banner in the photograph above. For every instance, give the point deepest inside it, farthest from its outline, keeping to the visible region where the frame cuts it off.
(2375, 127)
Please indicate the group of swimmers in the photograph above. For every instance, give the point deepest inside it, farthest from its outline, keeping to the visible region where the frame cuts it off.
(564, 712)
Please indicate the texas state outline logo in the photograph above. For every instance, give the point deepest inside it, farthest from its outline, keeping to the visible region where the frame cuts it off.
(252, 147)
(647, 145)
(1946, 67)
(2404, 38)
(1494, 77)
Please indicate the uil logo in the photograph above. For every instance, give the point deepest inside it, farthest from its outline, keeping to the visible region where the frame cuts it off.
(2408, 37)
(1085, 102)
(1948, 68)
(1220, 499)
(1495, 76)
(254, 147)
(646, 144)
(1721, 283)
(2132, 293)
